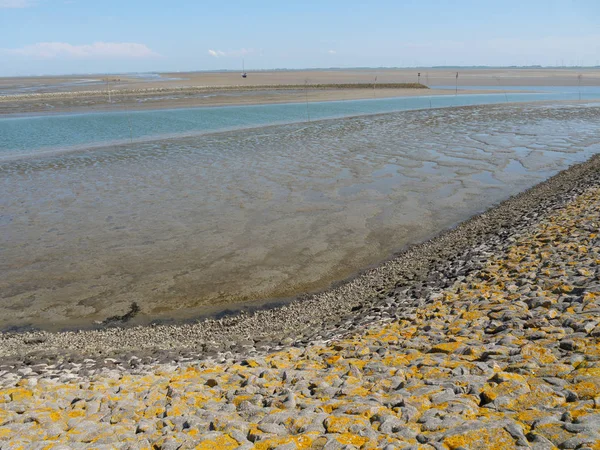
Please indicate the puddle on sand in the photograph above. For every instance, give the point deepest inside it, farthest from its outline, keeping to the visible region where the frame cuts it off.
(188, 225)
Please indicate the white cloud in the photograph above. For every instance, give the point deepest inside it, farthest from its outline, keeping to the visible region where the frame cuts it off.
(15, 3)
(332, 52)
(231, 53)
(49, 50)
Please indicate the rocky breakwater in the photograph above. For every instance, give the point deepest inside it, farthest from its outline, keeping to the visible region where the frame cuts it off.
(504, 355)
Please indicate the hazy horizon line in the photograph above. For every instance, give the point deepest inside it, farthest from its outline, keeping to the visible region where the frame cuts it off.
(283, 69)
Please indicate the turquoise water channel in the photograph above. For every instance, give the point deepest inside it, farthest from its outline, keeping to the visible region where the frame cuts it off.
(40, 133)
(192, 211)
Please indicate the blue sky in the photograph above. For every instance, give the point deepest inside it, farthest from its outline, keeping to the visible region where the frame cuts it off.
(88, 36)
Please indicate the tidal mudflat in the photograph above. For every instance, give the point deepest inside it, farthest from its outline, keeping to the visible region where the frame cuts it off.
(492, 342)
(189, 226)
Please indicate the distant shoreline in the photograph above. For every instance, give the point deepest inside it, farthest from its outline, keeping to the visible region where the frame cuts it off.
(169, 90)
(185, 89)
(156, 98)
(313, 69)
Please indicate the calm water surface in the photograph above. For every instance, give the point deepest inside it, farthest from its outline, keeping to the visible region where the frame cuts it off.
(35, 134)
(189, 225)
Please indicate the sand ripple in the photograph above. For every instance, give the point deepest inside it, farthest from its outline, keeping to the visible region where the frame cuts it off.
(190, 225)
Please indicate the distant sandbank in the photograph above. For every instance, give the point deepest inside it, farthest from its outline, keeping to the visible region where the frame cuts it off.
(86, 93)
(189, 97)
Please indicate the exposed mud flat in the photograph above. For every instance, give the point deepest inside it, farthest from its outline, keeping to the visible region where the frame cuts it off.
(188, 227)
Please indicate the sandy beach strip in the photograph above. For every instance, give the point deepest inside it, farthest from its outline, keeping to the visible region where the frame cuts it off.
(87, 93)
(166, 98)
(486, 337)
(428, 76)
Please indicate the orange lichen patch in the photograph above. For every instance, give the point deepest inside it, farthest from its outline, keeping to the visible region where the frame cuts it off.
(339, 424)
(76, 413)
(352, 377)
(501, 377)
(540, 354)
(482, 439)
(5, 432)
(333, 359)
(590, 296)
(587, 390)
(358, 363)
(531, 415)
(251, 363)
(241, 398)
(553, 432)
(305, 364)
(408, 331)
(491, 392)
(302, 441)
(351, 439)
(358, 392)
(535, 399)
(471, 315)
(222, 442)
(154, 411)
(18, 394)
(330, 407)
(446, 347)
(434, 373)
(592, 350)
(197, 398)
(591, 372)
(554, 370)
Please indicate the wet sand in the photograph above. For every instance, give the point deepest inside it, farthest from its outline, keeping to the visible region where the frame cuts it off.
(429, 77)
(455, 162)
(182, 90)
(190, 226)
(125, 100)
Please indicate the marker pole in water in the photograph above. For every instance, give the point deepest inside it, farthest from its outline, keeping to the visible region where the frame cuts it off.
(503, 90)
(130, 129)
(128, 120)
(579, 83)
(306, 98)
(456, 92)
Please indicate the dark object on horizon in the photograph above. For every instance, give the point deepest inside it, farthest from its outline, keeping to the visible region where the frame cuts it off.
(419, 78)
(244, 74)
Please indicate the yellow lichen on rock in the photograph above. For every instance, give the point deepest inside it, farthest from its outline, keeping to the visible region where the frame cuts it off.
(504, 355)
